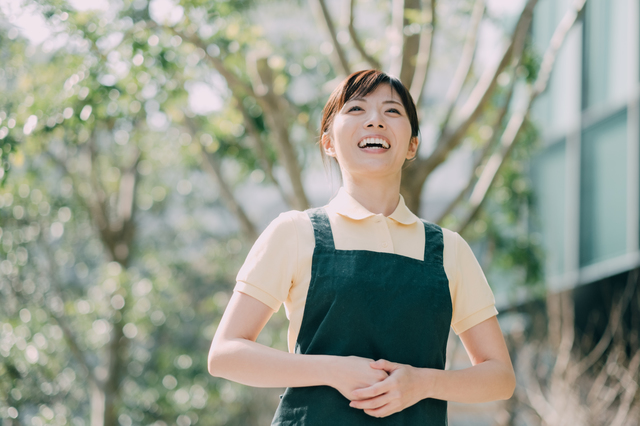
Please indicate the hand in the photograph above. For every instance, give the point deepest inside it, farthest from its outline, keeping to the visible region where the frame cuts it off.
(352, 372)
(403, 388)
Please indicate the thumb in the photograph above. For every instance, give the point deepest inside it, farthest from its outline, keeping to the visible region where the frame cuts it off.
(383, 364)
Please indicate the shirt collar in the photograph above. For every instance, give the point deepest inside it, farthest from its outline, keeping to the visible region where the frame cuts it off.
(345, 205)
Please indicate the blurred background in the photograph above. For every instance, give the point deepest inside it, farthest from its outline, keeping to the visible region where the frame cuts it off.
(146, 144)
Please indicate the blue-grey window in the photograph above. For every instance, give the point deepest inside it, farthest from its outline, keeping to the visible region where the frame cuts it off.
(548, 171)
(603, 186)
(605, 54)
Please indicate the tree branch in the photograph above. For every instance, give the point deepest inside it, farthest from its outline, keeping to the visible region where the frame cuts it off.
(115, 369)
(396, 37)
(373, 62)
(466, 59)
(238, 89)
(531, 388)
(479, 98)
(213, 168)
(630, 391)
(93, 202)
(258, 143)
(273, 108)
(557, 39)
(126, 210)
(472, 179)
(484, 154)
(567, 339)
(59, 318)
(411, 43)
(492, 168)
(234, 82)
(615, 319)
(423, 59)
(517, 119)
(69, 335)
(340, 58)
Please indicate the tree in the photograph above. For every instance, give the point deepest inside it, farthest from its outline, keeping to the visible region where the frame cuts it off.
(107, 282)
(108, 272)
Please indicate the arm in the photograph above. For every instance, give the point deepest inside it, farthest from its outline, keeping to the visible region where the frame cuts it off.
(236, 356)
(490, 378)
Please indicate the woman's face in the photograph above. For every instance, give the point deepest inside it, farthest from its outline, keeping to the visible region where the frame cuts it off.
(371, 136)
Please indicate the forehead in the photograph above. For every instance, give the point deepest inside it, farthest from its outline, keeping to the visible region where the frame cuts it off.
(382, 92)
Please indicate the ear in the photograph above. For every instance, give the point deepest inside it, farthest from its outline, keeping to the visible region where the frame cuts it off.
(327, 145)
(413, 148)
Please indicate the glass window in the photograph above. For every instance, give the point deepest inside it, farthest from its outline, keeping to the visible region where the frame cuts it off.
(605, 54)
(558, 109)
(548, 177)
(603, 201)
(542, 30)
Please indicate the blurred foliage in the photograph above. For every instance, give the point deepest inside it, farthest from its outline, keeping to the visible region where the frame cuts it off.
(507, 221)
(103, 101)
(118, 255)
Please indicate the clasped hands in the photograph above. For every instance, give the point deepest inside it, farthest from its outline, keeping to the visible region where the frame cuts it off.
(381, 387)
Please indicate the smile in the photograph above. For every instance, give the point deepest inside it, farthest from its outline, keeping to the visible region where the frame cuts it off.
(373, 143)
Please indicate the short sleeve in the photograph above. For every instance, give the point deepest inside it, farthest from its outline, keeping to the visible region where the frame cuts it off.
(471, 296)
(268, 271)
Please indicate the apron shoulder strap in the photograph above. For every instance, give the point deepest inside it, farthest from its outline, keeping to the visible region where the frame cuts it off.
(321, 228)
(433, 243)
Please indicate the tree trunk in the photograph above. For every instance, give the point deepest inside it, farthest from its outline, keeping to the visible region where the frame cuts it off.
(97, 406)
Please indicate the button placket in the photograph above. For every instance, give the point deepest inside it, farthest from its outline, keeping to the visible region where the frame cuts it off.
(386, 243)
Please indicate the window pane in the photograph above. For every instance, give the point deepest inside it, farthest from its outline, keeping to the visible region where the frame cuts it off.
(605, 52)
(558, 109)
(603, 205)
(548, 176)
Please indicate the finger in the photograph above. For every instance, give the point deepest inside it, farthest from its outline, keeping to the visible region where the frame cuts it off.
(384, 411)
(372, 391)
(372, 403)
(383, 364)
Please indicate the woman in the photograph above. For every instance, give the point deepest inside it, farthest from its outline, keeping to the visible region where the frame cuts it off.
(370, 290)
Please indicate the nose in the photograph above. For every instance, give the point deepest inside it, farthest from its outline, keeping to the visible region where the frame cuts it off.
(374, 121)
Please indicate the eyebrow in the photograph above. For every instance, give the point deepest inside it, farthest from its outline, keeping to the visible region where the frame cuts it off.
(390, 101)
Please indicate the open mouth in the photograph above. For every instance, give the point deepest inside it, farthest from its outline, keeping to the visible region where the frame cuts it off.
(373, 143)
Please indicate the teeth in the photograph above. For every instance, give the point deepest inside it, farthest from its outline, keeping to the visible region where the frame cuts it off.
(373, 141)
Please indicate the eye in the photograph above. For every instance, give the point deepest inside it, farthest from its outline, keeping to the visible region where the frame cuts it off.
(354, 108)
(393, 110)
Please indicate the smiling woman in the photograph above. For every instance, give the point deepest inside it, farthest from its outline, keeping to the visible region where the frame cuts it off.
(370, 290)
(368, 114)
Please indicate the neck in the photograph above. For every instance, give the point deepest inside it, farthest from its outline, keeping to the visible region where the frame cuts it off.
(379, 196)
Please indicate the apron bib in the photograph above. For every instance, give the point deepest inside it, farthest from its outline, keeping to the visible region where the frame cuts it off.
(373, 305)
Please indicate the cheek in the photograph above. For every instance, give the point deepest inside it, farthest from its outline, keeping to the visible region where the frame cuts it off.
(407, 128)
(340, 132)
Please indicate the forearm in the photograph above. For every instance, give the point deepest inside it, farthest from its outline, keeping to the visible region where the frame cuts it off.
(235, 355)
(487, 381)
(253, 364)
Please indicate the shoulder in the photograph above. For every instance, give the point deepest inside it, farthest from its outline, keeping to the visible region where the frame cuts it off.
(279, 243)
(287, 223)
(451, 239)
(292, 228)
(456, 248)
(290, 217)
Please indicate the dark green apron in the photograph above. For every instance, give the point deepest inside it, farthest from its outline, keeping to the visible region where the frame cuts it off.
(373, 305)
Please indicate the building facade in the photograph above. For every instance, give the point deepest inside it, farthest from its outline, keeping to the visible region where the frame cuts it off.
(585, 175)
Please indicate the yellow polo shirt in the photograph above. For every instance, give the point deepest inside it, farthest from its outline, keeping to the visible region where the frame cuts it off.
(278, 267)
